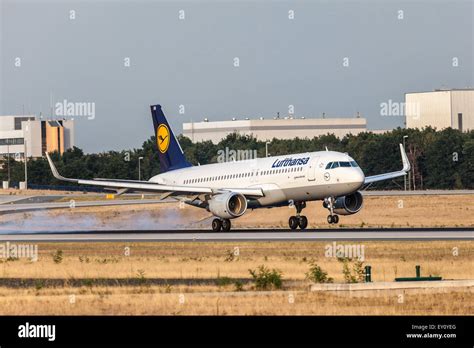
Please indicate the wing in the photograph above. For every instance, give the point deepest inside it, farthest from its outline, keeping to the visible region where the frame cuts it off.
(148, 186)
(391, 175)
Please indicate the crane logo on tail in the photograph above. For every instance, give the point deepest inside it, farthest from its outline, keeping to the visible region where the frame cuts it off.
(163, 138)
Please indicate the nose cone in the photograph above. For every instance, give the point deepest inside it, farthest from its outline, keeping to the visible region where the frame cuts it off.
(359, 176)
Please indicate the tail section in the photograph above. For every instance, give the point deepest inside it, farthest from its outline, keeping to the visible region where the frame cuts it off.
(169, 151)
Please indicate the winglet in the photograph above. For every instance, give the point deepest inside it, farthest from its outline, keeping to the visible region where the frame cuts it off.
(405, 161)
(55, 171)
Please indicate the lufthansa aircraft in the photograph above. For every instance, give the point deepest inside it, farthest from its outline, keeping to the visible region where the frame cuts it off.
(228, 190)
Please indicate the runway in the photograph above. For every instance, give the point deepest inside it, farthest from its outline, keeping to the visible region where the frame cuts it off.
(413, 234)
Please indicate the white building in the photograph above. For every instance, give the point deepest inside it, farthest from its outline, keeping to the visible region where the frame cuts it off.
(38, 136)
(280, 128)
(441, 109)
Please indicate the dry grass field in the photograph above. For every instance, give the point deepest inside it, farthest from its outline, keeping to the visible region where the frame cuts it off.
(207, 278)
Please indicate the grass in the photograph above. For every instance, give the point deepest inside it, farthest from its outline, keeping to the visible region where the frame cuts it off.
(230, 282)
(207, 259)
(155, 300)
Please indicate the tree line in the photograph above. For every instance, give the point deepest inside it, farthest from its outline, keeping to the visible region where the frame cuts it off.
(440, 159)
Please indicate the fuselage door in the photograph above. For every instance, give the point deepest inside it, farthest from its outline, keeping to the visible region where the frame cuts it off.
(254, 177)
(311, 171)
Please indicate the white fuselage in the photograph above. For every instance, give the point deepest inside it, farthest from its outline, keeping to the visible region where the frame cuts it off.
(299, 177)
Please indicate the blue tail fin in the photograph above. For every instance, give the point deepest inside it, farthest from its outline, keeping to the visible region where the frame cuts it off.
(170, 153)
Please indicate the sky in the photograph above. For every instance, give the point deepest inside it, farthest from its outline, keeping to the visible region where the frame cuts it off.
(224, 59)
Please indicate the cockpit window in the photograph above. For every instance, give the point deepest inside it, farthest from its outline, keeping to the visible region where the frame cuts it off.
(332, 165)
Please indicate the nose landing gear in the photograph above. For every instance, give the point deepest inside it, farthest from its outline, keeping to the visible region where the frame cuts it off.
(329, 204)
(300, 221)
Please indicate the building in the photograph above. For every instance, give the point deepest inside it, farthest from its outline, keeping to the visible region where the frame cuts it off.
(280, 128)
(38, 135)
(440, 109)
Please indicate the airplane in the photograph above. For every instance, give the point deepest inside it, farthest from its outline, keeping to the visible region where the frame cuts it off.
(228, 190)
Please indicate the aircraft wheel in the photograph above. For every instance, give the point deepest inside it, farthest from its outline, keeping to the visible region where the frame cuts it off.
(293, 222)
(330, 219)
(226, 225)
(216, 225)
(303, 222)
(335, 219)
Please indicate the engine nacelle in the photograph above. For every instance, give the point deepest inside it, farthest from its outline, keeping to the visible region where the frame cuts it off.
(228, 205)
(348, 205)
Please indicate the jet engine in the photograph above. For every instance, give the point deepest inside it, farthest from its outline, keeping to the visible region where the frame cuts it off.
(348, 205)
(228, 205)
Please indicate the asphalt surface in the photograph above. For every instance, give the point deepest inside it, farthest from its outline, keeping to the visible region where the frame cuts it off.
(244, 235)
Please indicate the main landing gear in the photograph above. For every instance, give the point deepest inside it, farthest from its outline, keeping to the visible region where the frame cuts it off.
(329, 204)
(221, 225)
(300, 221)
